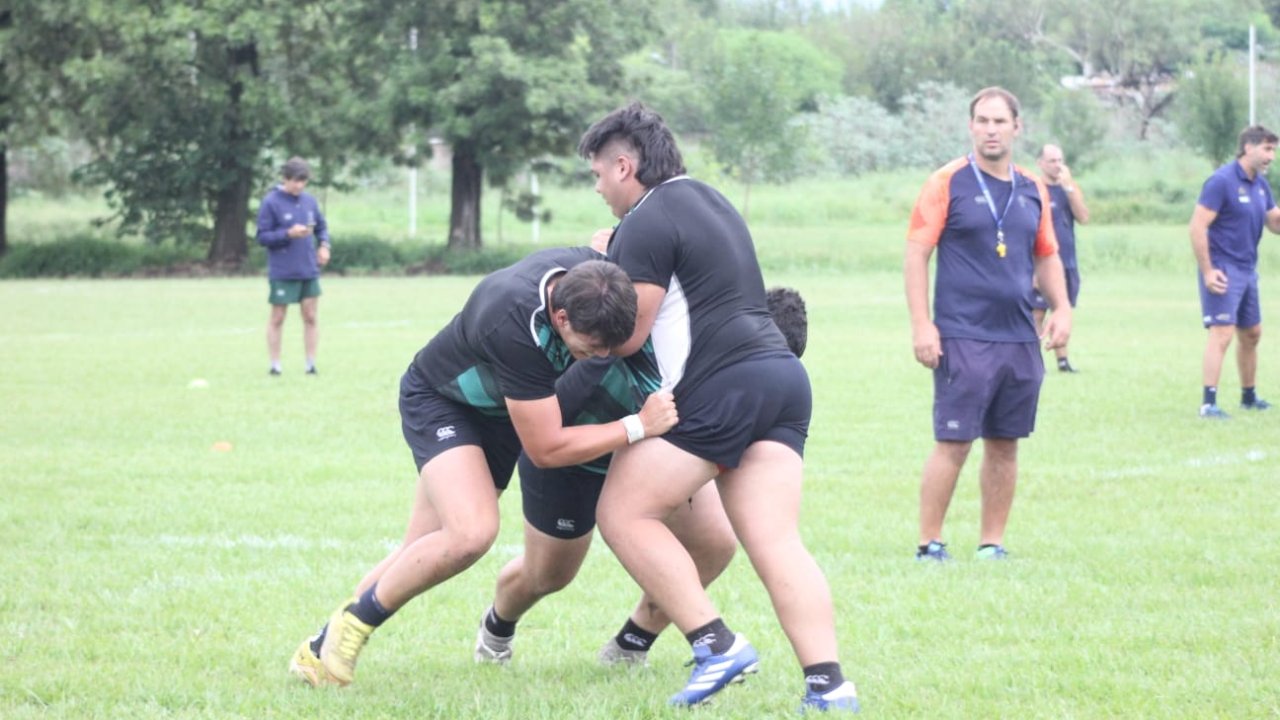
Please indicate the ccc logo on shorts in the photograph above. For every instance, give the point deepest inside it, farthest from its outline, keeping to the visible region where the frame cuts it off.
(445, 433)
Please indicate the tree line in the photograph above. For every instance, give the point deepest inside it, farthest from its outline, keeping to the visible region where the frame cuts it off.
(187, 106)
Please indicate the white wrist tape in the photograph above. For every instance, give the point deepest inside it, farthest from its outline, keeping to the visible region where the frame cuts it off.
(635, 429)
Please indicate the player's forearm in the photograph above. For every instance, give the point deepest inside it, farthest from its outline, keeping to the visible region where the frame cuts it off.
(1079, 210)
(1200, 247)
(577, 444)
(916, 279)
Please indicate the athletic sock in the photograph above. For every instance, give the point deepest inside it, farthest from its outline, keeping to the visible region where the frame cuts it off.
(368, 610)
(823, 677)
(311, 364)
(984, 546)
(275, 365)
(634, 637)
(1248, 396)
(715, 635)
(497, 626)
(1063, 364)
(1210, 394)
(318, 640)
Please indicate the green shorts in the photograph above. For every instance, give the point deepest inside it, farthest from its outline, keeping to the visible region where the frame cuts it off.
(287, 292)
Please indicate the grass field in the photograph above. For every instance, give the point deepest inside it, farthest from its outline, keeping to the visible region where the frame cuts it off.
(150, 576)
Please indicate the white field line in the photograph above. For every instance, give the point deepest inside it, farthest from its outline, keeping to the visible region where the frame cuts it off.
(1250, 456)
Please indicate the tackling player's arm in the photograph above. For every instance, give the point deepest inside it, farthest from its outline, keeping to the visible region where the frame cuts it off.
(551, 444)
(648, 300)
(1202, 217)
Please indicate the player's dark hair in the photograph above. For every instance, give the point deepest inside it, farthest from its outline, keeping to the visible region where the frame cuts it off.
(1254, 135)
(600, 301)
(295, 168)
(643, 132)
(989, 92)
(787, 308)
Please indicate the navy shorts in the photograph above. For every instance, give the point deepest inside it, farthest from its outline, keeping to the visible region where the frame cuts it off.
(560, 502)
(1240, 305)
(986, 389)
(1038, 301)
(432, 424)
(765, 398)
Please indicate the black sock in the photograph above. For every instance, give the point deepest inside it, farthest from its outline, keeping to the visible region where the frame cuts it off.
(497, 626)
(634, 637)
(821, 677)
(1248, 396)
(1210, 394)
(318, 640)
(1063, 364)
(715, 635)
(984, 546)
(368, 610)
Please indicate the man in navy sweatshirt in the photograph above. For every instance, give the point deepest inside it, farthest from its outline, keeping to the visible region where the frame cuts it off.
(289, 226)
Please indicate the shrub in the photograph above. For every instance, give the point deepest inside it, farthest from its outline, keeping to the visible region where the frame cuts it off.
(366, 254)
(86, 256)
(475, 262)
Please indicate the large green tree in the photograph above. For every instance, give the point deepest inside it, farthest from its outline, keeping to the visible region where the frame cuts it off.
(186, 101)
(501, 82)
(30, 66)
(756, 83)
(1213, 107)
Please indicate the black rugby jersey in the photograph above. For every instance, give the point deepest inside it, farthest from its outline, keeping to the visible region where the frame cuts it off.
(686, 237)
(502, 344)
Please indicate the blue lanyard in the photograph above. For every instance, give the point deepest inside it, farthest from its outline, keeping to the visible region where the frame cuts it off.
(991, 204)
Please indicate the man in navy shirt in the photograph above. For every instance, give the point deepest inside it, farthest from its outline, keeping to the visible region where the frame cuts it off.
(1226, 227)
(745, 405)
(481, 389)
(990, 223)
(289, 226)
(1067, 203)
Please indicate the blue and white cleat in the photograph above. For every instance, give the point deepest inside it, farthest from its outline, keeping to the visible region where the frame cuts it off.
(935, 551)
(992, 552)
(841, 699)
(1213, 412)
(711, 673)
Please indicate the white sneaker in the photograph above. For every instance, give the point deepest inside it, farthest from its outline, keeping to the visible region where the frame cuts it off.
(614, 654)
(492, 648)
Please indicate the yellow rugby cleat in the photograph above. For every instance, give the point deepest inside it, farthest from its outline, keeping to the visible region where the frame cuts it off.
(342, 645)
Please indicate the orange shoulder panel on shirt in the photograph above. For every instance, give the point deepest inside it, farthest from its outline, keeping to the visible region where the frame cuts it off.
(930, 213)
(1046, 239)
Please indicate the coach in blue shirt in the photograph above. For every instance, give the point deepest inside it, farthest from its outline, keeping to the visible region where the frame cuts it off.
(289, 226)
(1226, 228)
(990, 223)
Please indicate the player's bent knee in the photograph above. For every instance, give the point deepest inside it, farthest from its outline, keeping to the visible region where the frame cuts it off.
(552, 581)
(470, 544)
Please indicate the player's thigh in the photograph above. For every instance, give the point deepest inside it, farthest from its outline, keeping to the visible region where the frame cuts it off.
(650, 479)
(762, 495)
(308, 307)
(702, 526)
(456, 490)
(550, 562)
